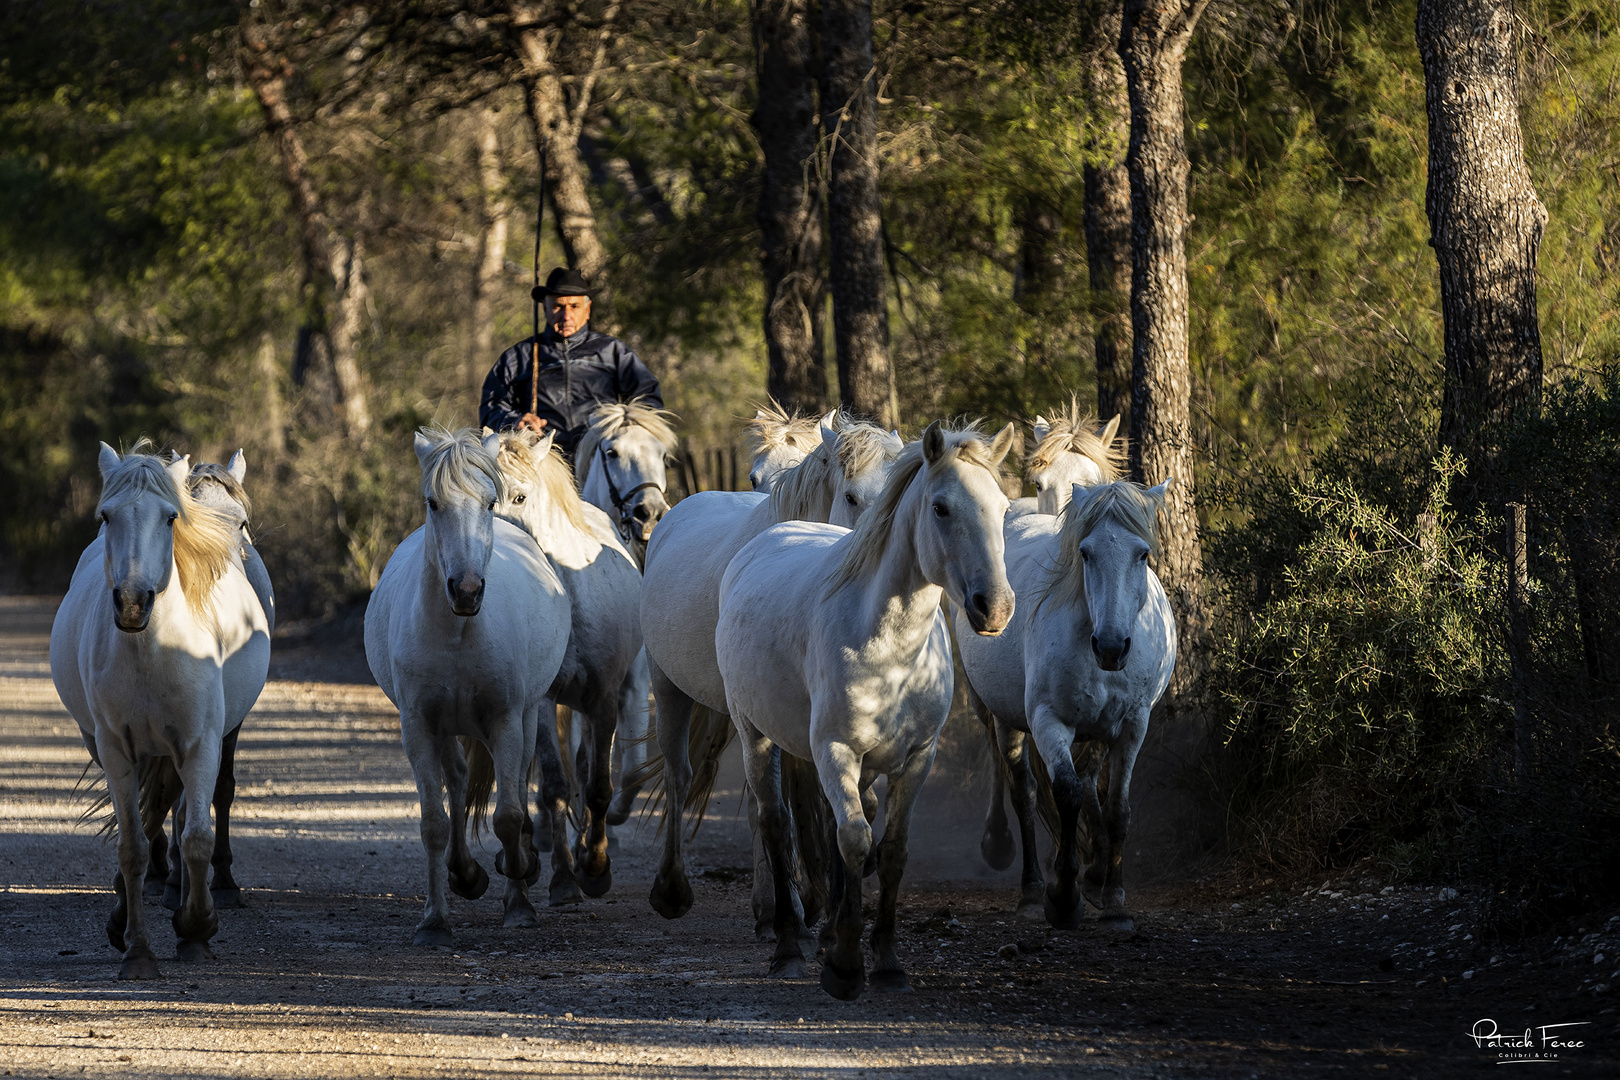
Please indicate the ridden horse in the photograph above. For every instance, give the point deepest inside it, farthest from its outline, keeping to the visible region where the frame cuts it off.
(159, 649)
(779, 442)
(1089, 653)
(218, 487)
(833, 648)
(680, 601)
(603, 678)
(619, 464)
(465, 633)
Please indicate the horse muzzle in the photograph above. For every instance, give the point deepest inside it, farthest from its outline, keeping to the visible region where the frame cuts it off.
(647, 512)
(1110, 654)
(989, 613)
(466, 593)
(132, 608)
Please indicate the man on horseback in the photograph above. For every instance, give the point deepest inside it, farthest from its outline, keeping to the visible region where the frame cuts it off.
(579, 368)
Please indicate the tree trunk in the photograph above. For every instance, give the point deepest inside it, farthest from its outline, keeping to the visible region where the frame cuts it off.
(789, 219)
(330, 264)
(1486, 223)
(854, 211)
(269, 372)
(1153, 43)
(1108, 215)
(492, 255)
(348, 271)
(557, 126)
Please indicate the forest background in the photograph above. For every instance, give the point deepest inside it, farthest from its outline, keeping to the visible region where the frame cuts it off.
(162, 273)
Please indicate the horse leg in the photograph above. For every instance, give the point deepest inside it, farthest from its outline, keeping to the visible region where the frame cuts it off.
(226, 892)
(554, 791)
(126, 930)
(509, 751)
(904, 786)
(174, 885)
(197, 922)
(1117, 819)
(423, 751)
(631, 738)
(157, 872)
(812, 826)
(838, 766)
(468, 879)
(1063, 905)
(592, 864)
(671, 894)
(996, 845)
(1016, 747)
(1091, 884)
(762, 762)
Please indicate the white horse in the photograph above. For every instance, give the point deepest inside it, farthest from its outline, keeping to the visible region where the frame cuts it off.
(159, 649)
(465, 633)
(218, 487)
(680, 604)
(833, 647)
(779, 442)
(604, 672)
(1091, 650)
(619, 464)
(1070, 449)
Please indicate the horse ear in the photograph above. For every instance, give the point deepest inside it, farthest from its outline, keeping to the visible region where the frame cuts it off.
(1109, 430)
(1080, 494)
(486, 432)
(1158, 493)
(1042, 429)
(490, 441)
(541, 446)
(180, 470)
(829, 434)
(424, 447)
(1001, 444)
(933, 442)
(237, 467)
(108, 460)
(830, 421)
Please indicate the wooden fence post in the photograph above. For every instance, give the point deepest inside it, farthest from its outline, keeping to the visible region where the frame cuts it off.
(1519, 637)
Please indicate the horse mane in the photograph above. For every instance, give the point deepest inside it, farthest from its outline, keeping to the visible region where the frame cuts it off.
(1124, 501)
(871, 536)
(804, 492)
(204, 538)
(772, 427)
(455, 463)
(608, 419)
(1075, 432)
(549, 475)
(211, 473)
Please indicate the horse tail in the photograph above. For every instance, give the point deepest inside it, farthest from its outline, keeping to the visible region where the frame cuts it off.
(480, 782)
(707, 736)
(1045, 802)
(814, 833)
(159, 786)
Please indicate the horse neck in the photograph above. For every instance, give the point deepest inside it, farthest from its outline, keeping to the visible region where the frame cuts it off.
(899, 602)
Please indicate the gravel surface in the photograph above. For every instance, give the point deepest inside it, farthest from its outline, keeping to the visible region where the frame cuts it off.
(317, 977)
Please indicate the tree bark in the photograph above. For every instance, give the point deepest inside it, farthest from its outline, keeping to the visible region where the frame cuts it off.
(557, 122)
(492, 254)
(854, 210)
(789, 217)
(331, 262)
(1486, 223)
(1108, 215)
(1153, 43)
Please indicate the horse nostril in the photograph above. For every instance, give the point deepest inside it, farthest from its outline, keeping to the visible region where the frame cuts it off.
(981, 604)
(1096, 650)
(1124, 650)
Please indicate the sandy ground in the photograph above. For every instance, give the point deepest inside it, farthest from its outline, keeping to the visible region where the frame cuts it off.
(317, 977)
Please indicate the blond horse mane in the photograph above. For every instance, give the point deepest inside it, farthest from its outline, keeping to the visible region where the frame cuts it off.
(803, 493)
(608, 420)
(549, 475)
(204, 538)
(1123, 501)
(209, 472)
(1075, 432)
(772, 427)
(455, 463)
(871, 537)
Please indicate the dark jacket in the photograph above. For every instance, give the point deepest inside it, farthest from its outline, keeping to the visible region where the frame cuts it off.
(576, 374)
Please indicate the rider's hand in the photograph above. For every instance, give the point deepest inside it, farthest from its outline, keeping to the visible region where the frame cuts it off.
(531, 422)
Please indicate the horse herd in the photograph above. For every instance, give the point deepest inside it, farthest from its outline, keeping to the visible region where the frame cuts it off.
(813, 619)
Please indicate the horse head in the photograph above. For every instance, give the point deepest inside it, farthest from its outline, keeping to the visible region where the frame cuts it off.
(461, 485)
(620, 464)
(959, 540)
(140, 503)
(1111, 530)
(1071, 450)
(780, 442)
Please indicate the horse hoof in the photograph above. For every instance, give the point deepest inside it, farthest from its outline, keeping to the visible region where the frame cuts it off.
(153, 887)
(619, 811)
(892, 982)
(142, 965)
(115, 934)
(192, 952)
(197, 928)
(470, 888)
(433, 935)
(598, 885)
(172, 898)
(844, 987)
(565, 892)
(1064, 916)
(998, 849)
(229, 897)
(671, 897)
(520, 915)
(1119, 922)
(1030, 909)
(790, 967)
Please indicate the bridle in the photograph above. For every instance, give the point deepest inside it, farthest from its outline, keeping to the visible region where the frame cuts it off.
(621, 499)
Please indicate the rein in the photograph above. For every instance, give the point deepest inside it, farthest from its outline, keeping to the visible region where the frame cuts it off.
(621, 499)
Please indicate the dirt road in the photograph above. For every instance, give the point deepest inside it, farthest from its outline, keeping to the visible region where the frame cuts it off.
(317, 977)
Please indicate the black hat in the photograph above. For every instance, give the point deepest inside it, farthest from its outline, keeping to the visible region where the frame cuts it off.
(562, 281)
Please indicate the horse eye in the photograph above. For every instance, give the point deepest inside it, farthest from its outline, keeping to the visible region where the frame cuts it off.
(1084, 557)
(433, 504)
(172, 518)
(940, 510)
(612, 452)
(517, 500)
(492, 507)
(849, 497)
